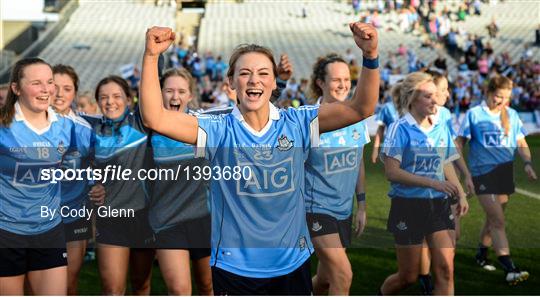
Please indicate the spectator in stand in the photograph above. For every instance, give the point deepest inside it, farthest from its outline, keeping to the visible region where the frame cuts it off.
(483, 65)
(492, 28)
(209, 64)
(402, 50)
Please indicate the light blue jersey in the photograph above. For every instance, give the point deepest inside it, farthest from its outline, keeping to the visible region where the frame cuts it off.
(75, 192)
(443, 115)
(332, 171)
(420, 151)
(24, 153)
(258, 222)
(387, 114)
(489, 146)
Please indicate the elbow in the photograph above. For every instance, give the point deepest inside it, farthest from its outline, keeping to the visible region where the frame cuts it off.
(390, 175)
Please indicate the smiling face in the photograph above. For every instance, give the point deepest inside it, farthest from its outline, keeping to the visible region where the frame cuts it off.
(425, 103)
(442, 91)
(65, 93)
(112, 100)
(498, 99)
(253, 80)
(176, 93)
(337, 82)
(36, 88)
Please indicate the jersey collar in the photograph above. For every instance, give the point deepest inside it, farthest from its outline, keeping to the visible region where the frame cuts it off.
(274, 116)
(485, 107)
(410, 119)
(19, 117)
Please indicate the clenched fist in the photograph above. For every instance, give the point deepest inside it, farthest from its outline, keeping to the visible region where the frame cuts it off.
(158, 39)
(366, 38)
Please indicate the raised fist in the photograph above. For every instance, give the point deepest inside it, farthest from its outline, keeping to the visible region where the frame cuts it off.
(285, 68)
(158, 39)
(366, 38)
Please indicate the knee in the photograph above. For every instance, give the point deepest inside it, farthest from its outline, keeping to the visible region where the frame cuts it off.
(444, 271)
(408, 278)
(180, 289)
(204, 286)
(343, 276)
(113, 290)
(496, 223)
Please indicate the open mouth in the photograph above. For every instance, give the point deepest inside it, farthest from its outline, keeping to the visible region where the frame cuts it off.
(43, 99)
(174, 106)
(254, 94)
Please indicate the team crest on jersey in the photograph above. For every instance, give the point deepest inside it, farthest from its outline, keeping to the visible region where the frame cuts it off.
(61, 148)
(284, 144)
(355, 134)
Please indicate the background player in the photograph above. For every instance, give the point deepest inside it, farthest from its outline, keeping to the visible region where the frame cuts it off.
(494, 132)
(178, 212)
(417, 155)
(331, 183)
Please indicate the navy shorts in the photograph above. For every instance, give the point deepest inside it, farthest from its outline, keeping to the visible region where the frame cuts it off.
(20, 254)
(323, 224)
(297, 282)
(131, 232)
(500, 180)
(412, 219)
(192, 235)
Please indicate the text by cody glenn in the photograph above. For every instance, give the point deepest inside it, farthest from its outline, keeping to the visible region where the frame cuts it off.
(86, 212)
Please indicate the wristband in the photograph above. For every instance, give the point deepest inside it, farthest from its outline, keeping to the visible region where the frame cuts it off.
(360, 197)
(370, 63)
(527, 163)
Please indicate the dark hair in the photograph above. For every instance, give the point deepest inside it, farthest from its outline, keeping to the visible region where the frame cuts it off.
(319, 71)
(113, 79)
(7, 112)
(69, 71)
(496, 83)
(250, 48)
(436, 75)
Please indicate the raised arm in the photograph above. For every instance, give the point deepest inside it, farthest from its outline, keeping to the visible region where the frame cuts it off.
(341, 114)
(176, 125)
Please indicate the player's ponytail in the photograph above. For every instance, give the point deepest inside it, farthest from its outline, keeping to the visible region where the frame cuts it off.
(497, 83)
(404, 92)
(7, 112)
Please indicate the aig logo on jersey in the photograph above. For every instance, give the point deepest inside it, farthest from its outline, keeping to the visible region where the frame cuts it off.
(267, 180)
(29, 174)
(426, 164)
(493, 139)
(336, 161)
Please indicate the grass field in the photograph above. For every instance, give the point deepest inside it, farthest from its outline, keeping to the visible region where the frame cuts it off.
(373, 257)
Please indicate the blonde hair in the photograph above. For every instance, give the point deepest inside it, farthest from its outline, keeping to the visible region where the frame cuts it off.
(404, 92)
(192, 84)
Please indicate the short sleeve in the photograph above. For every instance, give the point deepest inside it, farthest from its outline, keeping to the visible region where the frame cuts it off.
(394, 142)
(210, 134)
(452, 153)
(465, 127)
(307, 117)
